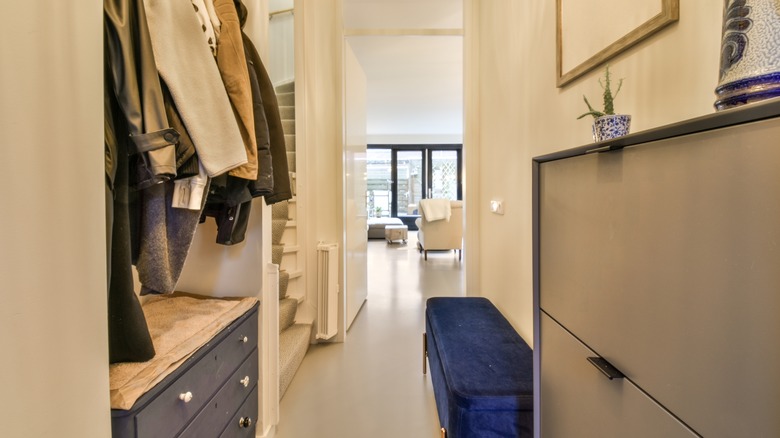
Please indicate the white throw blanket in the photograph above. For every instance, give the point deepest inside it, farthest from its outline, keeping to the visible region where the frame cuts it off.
(436, 209)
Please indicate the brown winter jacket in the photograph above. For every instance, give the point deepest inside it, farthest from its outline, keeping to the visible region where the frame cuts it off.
(232, 67)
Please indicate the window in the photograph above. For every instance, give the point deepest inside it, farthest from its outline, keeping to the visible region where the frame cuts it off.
(398, 176)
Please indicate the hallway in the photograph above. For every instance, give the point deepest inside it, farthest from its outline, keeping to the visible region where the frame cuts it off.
(372, 385)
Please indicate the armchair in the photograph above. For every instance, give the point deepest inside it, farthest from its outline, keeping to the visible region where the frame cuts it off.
(441, 234)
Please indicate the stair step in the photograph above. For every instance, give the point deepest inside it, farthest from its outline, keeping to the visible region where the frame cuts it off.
(291, 161)
(277, 251)
(287, 309)
(285, 99)
(287, 87)
(293, 344)
(288, 126)
(287, 112)
(284, 283)
(277, 230)
(298, 295)
(289, 142)
(280, 210)
(287, 249)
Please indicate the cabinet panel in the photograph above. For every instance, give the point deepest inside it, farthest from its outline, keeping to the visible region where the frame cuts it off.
(167, 414)
(213, 419)
(244, 422)
(579, 401)
(665, 258)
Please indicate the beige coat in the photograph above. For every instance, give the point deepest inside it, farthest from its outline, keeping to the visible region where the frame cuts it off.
(187, 66)
(233, 68)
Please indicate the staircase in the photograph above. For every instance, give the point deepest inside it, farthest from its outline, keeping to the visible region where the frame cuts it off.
(294, 337)
(285, 95)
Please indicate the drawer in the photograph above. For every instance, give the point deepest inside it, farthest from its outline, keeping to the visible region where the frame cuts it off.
(248, 411)
(215, 416)
(577, 400)
(167, 414)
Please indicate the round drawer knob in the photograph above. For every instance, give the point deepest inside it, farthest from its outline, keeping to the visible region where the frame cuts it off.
(243, 339)
(245, 422)
(185, 397)
(245, 381)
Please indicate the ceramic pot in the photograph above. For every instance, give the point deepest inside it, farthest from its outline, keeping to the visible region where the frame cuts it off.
(611, 126)
(750, 52)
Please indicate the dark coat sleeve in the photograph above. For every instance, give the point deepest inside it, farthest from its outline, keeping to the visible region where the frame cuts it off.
(136, 86)
(264, 184)
(281, 190)
(128, 334)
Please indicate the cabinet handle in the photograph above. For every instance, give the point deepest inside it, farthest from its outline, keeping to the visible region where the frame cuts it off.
(245, 422)
(186, 397)
(243, 339)
(245, 381)
(606, 368)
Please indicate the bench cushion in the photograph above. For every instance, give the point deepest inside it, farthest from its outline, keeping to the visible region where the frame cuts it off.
(482, 370)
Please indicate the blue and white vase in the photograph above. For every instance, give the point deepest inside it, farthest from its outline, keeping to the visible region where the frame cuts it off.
(750, 52)
(611, 126)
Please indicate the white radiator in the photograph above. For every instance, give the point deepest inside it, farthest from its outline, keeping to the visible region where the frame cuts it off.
(327, 290)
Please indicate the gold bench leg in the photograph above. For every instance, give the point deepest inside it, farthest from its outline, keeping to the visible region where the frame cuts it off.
(425, 354)
(443, 433)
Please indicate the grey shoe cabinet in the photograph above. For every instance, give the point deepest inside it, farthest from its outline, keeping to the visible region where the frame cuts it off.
(658, 256)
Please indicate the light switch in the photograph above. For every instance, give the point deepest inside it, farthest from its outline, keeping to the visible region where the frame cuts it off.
(497, 206)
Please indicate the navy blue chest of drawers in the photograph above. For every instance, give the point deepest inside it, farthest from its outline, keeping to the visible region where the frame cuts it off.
(213, 394)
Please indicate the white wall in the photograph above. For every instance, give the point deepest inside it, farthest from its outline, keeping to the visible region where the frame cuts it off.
(355, 213)
(281, 43)
(218, 270)
(515, 113)
(403, 14)
(319, 130)
(53, 323)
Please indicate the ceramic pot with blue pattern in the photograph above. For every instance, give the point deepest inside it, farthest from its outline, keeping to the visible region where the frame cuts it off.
(611, 126)
(750, 52)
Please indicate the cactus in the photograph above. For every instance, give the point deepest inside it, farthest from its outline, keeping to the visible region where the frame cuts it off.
(609, 98)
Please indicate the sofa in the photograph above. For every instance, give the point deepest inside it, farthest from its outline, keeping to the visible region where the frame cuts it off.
(376, 226)
(441, 234)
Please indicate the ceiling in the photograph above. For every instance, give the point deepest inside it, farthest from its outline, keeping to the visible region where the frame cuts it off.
(412, 55)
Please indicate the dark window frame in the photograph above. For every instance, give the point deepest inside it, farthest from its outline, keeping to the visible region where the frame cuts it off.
(427, 168)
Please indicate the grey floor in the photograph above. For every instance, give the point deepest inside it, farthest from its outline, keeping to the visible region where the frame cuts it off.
(372, 385)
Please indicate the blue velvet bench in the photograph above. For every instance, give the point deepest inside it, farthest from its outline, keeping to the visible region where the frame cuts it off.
(481, 370)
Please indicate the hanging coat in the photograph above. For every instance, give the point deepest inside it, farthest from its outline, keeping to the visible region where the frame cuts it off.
(187, 66)
(128, 334)
(281, 176)
(136, 86)
(232, 67)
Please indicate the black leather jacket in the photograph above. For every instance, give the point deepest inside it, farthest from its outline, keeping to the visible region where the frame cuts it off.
(136, 85)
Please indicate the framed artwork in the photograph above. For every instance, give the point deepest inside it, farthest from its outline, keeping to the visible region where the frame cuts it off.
(609, 27)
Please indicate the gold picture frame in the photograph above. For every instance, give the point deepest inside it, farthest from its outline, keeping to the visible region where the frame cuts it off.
(584, 44)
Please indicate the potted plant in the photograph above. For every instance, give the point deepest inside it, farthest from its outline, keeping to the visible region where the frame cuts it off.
(607, 124)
